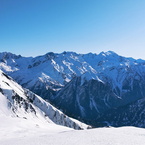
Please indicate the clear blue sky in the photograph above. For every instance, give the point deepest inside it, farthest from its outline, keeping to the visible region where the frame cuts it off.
(35, 27)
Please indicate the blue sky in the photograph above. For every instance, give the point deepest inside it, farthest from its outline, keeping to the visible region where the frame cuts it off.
(35, 27)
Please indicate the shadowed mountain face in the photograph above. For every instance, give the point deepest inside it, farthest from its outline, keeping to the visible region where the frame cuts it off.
(88, 100)
(84, 86)
(132, 114)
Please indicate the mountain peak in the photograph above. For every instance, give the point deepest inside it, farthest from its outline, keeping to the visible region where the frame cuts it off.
(108, 53)
(69, 53)
(9, 55)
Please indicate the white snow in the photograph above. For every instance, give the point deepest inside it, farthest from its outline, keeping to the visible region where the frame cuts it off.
(4, 105)
(18, 131)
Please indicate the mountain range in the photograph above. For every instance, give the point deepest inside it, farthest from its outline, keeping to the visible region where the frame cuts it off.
(99, 89)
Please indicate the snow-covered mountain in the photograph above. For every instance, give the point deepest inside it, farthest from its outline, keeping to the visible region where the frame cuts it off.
(84, 86)
(46, 74)
(16, 101)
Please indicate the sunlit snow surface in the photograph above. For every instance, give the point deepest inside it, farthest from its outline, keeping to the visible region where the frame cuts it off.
(18, 131)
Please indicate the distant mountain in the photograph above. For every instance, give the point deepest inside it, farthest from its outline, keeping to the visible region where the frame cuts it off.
(132, 114)
(84, 86)
(16, 101)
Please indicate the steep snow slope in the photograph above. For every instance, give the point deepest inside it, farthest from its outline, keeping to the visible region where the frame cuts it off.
(18, 102)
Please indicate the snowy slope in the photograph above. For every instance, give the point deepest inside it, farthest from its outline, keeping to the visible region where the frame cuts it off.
(18, 102)
(13, 129)
(18, 132)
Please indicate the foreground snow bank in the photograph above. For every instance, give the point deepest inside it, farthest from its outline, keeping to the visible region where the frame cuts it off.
(19, 131)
